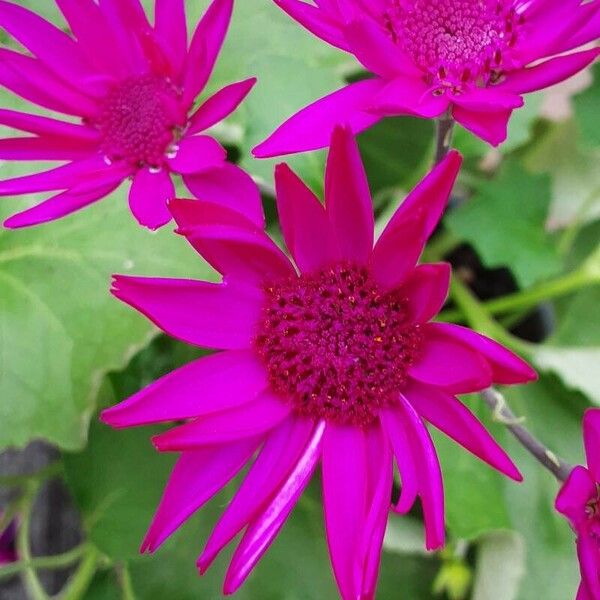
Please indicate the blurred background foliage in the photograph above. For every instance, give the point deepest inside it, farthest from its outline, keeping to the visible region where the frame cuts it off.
(522, 235)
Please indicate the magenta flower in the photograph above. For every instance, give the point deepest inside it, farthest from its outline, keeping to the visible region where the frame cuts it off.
(579, 501)
(467, 58)
(329, 359)
(132, 86)
(8, 553)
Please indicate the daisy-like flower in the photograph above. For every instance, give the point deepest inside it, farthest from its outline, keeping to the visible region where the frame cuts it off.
(579, 501)
(8, 553)
(329, 359)
(470, 59)
(132, 87)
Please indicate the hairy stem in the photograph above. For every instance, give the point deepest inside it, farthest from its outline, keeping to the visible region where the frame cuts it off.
(444, 127)
(503, 414)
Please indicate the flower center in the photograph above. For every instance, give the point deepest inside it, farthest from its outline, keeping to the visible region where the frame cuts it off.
(335, 345)
(138, 120)
(456, 41)
(592, 511)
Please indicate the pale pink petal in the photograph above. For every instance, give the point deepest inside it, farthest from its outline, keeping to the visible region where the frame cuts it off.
(397, 251)
(315, 20)
(430, 197)
(31, 79)
(54, 47)
(65, 203)
(402, 425)
(263, 530)
(491, 126)
(245, 253)
(197, 153)
(222, 316)
(374, 48)
(279, 456)
(45, 148)
(196, 478)
(148, 197)
(345, 502)
(306, 228)
(449, 363)
(171, 29)
(426, 290)
(451, 416)
(312, 127)
(574, 495)
(591, 438)
(220, 105)
(248, 420)
(45, 126)
(230, 186)
(207, 385)
(204, 48)
(548, 73)
(507, 368)
(348, 198)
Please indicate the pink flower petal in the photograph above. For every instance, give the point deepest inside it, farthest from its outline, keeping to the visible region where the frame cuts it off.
(397, 251)
(430, 197)
(248, 420)
(548, 73)
(230, 186)
(348, 199)
(193, 213)
(242, 253)
(312, 127)
(305, 225)
(507, 368)
(345, 481)
(582, 593)
(45, 148)
(208, 385)
(46, 126)
(315, 21)
(451, 416)
(171, 29)
(148, 197)
(277, 459)
(591, 439)
(490, 126)
(403, 425)
(97, 187)
(426, 290)
(196, 478)
(589, 563)
(574, 495)
(197, 153)
(222, 316)
(449, 363)
(220, 105)
(263, 530)
(204, 48)
(54, 47)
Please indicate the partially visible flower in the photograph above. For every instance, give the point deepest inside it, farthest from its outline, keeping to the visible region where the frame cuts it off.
(132, 86)
(579, 501)
(471, 59)
(331, 359)
(8, 552)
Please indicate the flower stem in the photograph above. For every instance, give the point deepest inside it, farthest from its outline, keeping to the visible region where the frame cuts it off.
(82, 578)
(503, 414)
(57, 561)
(444, 127)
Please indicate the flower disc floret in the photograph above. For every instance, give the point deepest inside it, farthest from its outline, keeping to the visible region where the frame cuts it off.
(336, 345)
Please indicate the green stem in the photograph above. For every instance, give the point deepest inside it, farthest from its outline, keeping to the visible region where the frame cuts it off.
(57, 561)
(125, 582)
(526, 299)
(82, 578)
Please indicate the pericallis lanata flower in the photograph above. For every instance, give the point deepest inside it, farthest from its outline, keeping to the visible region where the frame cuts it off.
(331, 359)
(132, 86)
(469, 59)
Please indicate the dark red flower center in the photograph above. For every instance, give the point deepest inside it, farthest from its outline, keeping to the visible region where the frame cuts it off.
(139, 121)
(335, 345)
(456, 41)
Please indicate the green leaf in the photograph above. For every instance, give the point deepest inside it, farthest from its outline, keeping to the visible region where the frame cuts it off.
(586, 110)
(505, 221)
(60, 329)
